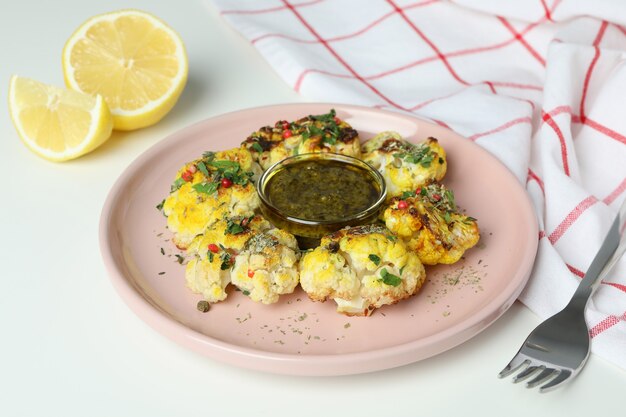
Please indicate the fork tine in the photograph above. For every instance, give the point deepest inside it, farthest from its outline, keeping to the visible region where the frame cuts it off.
(513, 366)
(563, 376)
(526, 373)
(543, 376)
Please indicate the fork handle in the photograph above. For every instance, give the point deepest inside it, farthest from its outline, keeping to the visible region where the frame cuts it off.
(610, 252)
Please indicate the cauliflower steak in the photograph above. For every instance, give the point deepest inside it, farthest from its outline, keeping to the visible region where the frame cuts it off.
(361, 268)
(213, 253)
(205, 190)
(429, 221)
(405, 166)
(268, 266)
(213, 212)
(313, 133)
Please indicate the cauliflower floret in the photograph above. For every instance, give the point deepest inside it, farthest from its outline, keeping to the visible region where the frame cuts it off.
(361, 268)
(268, 146)
(213, 253)
(206, 277)
(205, 190)
(268, 266)
(404, 165)
(429, 222)
(320, 133)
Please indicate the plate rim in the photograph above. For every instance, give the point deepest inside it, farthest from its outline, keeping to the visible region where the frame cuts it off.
(308, 364)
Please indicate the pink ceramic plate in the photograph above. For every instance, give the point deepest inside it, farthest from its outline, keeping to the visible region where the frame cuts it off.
(296, 335)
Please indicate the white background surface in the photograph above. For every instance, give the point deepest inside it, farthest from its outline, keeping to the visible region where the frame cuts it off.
(70, 347)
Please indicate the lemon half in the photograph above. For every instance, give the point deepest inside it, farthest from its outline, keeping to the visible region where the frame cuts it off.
(56, 123)
(131, 58)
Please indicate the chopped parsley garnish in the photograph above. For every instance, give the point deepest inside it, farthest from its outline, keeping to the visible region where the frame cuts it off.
(389, 278)
(225, 165)
(407, 194)
(206, 187)
(179, 259)
(257, 147)
(245, 292)
(202, 167)
(418, 154)
(437, 195)
(442, 199)
(391, 238)
(328, 117)
(216, 170)
(374, 258)
(177, 184)
(209, 256)
(469, 220)
(226, 259)
(326, 128)
(311, 130)
(449, 198)
(160, 205)
(234, 227)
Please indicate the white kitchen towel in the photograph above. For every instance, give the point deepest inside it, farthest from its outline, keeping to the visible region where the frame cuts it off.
(541, 84)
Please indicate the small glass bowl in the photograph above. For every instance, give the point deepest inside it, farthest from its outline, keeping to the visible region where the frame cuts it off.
(308, 232)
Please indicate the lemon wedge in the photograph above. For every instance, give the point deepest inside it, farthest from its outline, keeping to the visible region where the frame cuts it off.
(56, 123)
(131, 58)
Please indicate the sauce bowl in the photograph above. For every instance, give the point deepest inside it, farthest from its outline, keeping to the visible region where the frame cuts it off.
(312, 195)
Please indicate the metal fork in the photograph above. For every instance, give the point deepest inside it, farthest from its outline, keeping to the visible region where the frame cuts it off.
(558, 348)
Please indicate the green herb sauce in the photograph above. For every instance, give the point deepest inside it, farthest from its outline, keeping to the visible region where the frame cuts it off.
(323, 190)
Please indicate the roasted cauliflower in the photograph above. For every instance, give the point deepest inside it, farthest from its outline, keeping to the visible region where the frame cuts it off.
(429, 221)
(314, 133)
(405, 166)
(205, 190)
(268, 266)
(361, 268)
(213, 207)
(213, 253)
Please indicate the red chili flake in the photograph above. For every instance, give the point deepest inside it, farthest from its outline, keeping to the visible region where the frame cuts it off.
(285, 125)
(418, 191)
(402, 204)
(337, 120)
(287, 134)
(245, 221)
(187, 176)
(192, 169)
(280, 123)
(213, 248)
(436, 197)
(250, 273)
(226, 183)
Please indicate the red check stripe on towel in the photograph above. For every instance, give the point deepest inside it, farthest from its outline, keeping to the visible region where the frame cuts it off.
(606, 324)
(539, 85)
(441, 56)
(610, 320)
(596, 56)
(343, 62)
